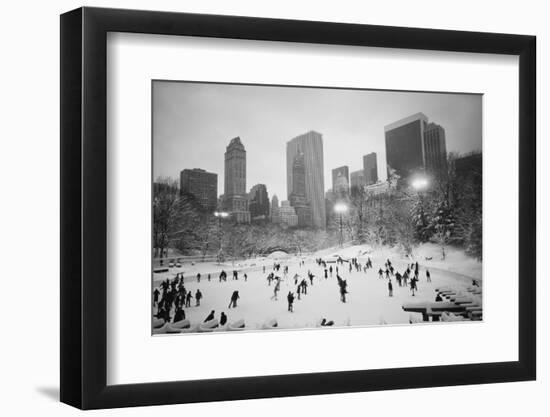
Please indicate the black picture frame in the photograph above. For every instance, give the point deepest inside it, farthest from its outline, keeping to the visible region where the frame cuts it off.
(84, 207)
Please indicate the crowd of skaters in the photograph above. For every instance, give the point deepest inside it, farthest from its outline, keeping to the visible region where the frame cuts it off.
(173, 296)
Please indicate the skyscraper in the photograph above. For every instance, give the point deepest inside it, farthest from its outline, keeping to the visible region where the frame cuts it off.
(404, 150)
(435, 149)
(340, 182)
(370, 168)
(274, 209)
(298, 198)
(202, 185)
(311, 145)
(357, 182)
(258, 202)
(235, 197)
(413, 145)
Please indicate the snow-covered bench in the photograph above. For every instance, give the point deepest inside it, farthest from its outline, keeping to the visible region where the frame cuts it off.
(432, 309)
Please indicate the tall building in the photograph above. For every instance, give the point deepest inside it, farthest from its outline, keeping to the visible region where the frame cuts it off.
(274, 209)
(298, 198)
(413, 145)
(258, 202)
(435, 149)
(287, 214)
(311, 145)
(340, 182)
(235, 197)
(370, 168)
(202, 185)
(357, 182)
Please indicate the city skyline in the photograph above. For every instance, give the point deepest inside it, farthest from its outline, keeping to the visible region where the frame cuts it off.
(181, 142)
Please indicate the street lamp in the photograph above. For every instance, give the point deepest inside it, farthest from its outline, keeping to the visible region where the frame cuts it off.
(220, 215)
(341, 208)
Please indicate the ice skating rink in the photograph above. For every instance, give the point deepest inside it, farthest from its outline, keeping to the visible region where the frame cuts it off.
(367, 303)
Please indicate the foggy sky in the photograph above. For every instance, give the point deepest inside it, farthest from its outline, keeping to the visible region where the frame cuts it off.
(194, 122)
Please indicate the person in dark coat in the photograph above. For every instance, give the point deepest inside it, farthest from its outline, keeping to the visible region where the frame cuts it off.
(290, 299)
(438, 297)
(198, 296)
(390, 289)
(223, 319)
(234, 298)
(210, 316)
(199, 277)
(188, 299)
(330, 270)
(428, 276)
(156, 294)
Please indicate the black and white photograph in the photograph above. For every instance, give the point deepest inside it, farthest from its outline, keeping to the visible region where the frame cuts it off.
(298, 207)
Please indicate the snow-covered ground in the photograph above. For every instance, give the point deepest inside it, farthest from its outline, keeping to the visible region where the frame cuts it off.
(367, 303)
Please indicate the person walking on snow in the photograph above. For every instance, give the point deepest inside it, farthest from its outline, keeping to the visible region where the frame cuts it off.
(390, 289)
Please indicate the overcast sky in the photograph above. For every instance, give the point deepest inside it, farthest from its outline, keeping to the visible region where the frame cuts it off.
(194, 122)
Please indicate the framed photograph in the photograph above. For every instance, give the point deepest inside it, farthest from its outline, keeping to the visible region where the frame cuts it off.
(257, 208)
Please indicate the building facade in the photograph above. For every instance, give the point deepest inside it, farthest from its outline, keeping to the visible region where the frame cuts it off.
(202, 185)
(298, 198)
(435, 149)
(370, 168)
(311, 145)
(258, 202)
(287, 215)
(357, 182)
(340, 182)
(274, 214)
(235, 196)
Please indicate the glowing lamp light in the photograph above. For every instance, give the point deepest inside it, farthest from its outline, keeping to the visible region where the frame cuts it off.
(340, 208)
(420, 183)
(221, 214)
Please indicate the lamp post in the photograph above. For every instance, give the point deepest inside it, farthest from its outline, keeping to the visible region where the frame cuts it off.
(341, 208)
(220, 215)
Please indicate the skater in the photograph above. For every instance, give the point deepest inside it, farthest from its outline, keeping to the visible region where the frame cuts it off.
(296, 276)
(290, 299)
(223, 276)
(304, 287)
(326, 273)
(414, 288)
(380, 272)
(209, 317)
(330, 271)
(263, 269)
(343, 290)
(438, 297)
(311, 276)
(235, 275)
(390, 289)
(208, 277)
(428, 277)
(234, 298)
(398, 279)
(276, 289)
(188, 299)
(299, 290)
(198, 296)
(325, 323)
(223, 319)
(156, 294)
(199, 277)
(245, 278)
